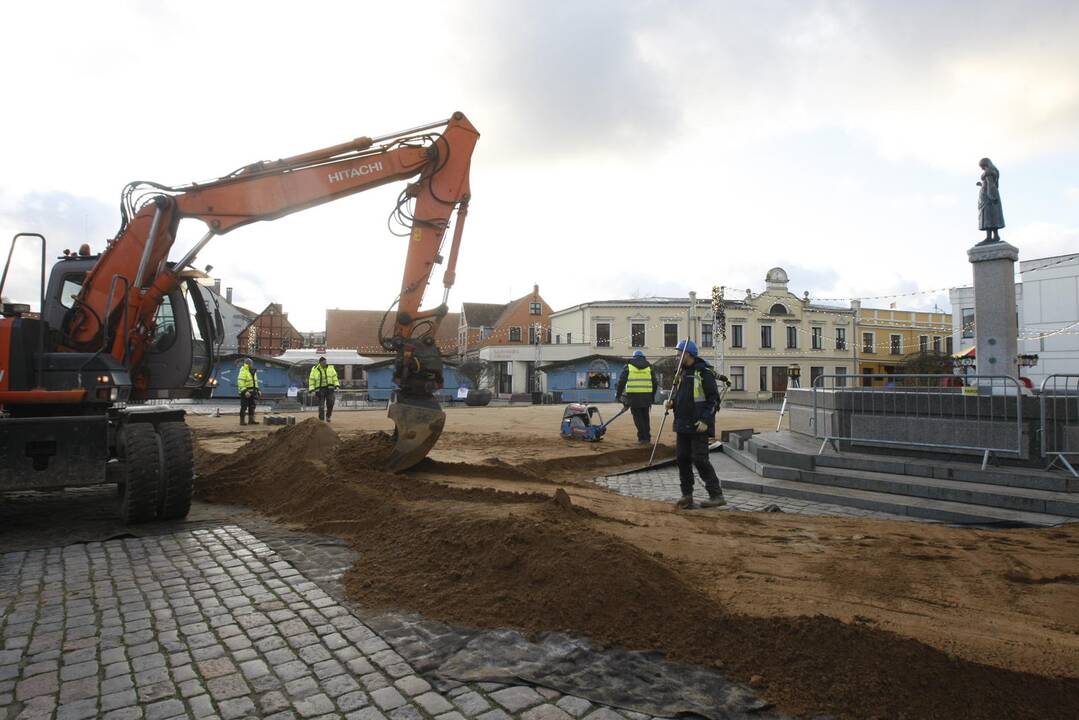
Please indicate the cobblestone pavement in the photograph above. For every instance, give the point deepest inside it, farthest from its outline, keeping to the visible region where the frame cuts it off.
(662, 484)
(214, 622)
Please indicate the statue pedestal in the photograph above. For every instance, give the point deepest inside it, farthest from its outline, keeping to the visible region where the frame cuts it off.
(995, 317)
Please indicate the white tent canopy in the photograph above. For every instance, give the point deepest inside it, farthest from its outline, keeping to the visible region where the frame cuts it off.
(309, 356)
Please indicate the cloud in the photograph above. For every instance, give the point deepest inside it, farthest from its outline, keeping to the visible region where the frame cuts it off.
(64, 219)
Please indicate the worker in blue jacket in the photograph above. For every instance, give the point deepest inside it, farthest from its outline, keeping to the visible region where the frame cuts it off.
(694, 401)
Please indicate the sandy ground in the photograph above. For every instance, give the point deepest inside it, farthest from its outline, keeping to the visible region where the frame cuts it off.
(509, 434)
(1007, 600)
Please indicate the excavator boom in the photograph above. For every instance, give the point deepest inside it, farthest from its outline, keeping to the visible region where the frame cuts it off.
(114, 313)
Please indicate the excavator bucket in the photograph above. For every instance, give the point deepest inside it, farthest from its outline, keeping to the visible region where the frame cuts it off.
(419, 423)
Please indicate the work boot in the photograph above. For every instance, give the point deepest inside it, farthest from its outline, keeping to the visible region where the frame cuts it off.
(243, 420)
(252, 421)
(685, 503)
(714, 500)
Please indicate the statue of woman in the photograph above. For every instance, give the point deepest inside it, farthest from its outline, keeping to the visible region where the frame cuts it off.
(990, 212)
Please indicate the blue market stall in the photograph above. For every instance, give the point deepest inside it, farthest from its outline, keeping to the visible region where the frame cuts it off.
(380, 385)
(273, 376)
(593, 378)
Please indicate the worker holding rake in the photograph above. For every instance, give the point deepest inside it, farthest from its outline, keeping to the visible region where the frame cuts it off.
(694, 400)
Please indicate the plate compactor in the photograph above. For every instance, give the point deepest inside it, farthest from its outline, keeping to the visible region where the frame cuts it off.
(584, 422)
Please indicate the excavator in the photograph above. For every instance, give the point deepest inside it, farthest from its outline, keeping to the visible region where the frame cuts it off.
(128, 325)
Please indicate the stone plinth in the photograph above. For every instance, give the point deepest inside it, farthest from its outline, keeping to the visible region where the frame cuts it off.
(995, 329)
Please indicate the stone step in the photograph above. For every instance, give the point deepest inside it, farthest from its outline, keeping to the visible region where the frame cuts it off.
(774, 454)
(911, 506)
(959, 491)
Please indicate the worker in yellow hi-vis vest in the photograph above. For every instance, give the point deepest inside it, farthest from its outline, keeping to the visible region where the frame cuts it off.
(323, 383)
(637, 386)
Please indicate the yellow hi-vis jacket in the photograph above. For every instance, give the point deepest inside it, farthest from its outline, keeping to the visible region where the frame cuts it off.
(322, 377)
(639, 379)
(247, 380)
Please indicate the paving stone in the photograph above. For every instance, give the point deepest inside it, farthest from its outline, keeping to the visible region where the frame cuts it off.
(43, 684)
(315, 654)
(406, 712)
(471, 703)
(284, 715)
(252, 669)
(201, 706)
(450, 716)
(433, 703)
(77, 710)
(128, 713)
(352, 701)
(79, 670)
(155, 691)
(546, 711)
(291, 670)
(574, 705)
(339, 685)
(604, 714)
(387, 698)
(360, 666)
(236, 708)
(496, 714)
(215, 667)
(548, 693)
(328, 668)
(113, 701)
(78, 689)
(164, 709)
(301, 687)
(227, 687)
(516, 698)
(367, 713)
(412, 685)
(272, 702)
(313, 705)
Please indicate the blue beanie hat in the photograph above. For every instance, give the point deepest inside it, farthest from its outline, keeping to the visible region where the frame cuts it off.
(689, 345)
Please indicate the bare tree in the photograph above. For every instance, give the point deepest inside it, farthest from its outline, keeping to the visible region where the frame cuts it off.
(475, 372)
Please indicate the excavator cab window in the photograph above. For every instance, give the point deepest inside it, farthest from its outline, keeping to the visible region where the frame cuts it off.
(164, 326)
(202, 334)
(71, 288)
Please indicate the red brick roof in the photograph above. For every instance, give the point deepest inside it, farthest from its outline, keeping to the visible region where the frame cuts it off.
(359, 329)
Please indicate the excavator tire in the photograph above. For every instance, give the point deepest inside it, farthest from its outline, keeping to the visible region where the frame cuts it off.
(177, 470)
(142, 465)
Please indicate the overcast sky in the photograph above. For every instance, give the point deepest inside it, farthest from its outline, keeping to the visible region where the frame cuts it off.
(646, 148)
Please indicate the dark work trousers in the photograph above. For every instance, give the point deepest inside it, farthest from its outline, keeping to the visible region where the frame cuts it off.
(692, 452)
(643, 423)
(248, 401)
(325, 403)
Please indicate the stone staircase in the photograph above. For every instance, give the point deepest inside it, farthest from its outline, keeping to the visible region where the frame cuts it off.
(787, 464)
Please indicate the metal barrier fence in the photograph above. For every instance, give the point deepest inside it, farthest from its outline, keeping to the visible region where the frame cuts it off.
(1060, 419)
(977, 413)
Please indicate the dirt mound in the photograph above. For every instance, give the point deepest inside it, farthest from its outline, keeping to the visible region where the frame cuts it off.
(480, 557)
(368, 450)
(599, 460)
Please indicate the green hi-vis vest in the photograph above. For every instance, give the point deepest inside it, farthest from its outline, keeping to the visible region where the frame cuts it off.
(639, 379)
(698, 388)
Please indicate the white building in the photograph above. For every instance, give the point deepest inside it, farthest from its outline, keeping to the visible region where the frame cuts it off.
(1048, 315)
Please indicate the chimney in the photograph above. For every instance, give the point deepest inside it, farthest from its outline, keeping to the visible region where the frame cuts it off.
(228, 295)
(217, 286)
(535, 291)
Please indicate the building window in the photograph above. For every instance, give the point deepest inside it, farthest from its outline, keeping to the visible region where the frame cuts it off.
(841, 377)
(738, 377)
(569, 338)
(486, 332)
(967, 328)
(818, 338)
(603, 334)
(636, 335)
(533, 336)
(557, 339)
(706, 335)
(815, 372)
(599, 375)
(896, 345)
(949, 345)
(778, 309)
(535, 309)
(670, 335)
(841, 338)
(515, 334)
(936, 343)
(764, 379)
(766, 337)
(923, 343)
(736, 336)
(868, 342)
(792, 337)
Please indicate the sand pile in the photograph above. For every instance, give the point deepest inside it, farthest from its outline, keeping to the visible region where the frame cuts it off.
(534, 562)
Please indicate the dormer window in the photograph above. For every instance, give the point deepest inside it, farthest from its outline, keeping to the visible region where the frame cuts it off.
(778, 309)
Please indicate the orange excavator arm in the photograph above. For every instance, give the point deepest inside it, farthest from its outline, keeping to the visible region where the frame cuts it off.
(437, 155)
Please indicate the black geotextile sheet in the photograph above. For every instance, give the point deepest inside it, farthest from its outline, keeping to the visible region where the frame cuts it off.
(639, 681)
